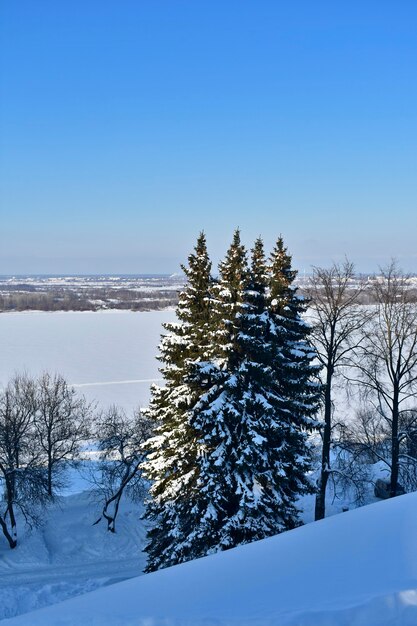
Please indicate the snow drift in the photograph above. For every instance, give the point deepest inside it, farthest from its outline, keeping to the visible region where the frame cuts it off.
(358, 568)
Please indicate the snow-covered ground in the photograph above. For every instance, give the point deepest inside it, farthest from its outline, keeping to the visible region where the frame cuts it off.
(68, 555)
(354, 569)
(109, 355)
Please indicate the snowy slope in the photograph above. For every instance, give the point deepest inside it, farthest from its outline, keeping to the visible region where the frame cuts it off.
(69, 556)
(358, 569)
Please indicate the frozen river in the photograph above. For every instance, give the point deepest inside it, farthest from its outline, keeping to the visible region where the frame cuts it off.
(108, 356)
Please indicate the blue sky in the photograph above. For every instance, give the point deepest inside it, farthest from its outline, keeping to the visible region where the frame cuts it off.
(127, 126)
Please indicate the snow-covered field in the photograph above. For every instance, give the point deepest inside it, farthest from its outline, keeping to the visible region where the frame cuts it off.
(108, 355)
(354, 569)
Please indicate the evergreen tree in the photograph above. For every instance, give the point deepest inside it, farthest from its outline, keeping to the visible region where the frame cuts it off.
(171, 463)
(254, 419)
(296, 376)
(231, 454)
(216, 417)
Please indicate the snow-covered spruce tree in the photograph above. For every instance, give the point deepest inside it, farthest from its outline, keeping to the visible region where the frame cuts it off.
(217, 414)
(172, 465)
(255, 417)
(225, 461)
(296, 377)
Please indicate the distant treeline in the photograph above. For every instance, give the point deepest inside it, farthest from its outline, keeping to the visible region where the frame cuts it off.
(95, 300)
(125, 299)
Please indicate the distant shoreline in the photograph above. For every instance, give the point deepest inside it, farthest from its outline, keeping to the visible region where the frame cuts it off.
(89, 293)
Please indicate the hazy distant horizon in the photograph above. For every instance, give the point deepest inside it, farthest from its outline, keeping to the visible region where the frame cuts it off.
(166, 267)
(178, 274)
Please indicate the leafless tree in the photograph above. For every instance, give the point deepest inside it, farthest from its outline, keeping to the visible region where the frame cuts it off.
(120, 443)
(21, 472)
(336, 318)
(368, 434)
(367, 440)
(387, 362)
(62, 420)
(350, 474)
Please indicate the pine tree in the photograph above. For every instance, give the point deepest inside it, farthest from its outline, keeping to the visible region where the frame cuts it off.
(254, 419)
(255, 466)
(260, 510)
(296, 376)
(231, 455)
(216, 417)
(171, 463)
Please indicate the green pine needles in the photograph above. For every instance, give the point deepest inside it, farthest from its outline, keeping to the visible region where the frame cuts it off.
(231, 454)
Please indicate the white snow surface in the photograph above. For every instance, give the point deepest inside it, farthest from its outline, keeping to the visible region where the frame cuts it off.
(67, 555)
(109, 356)
(357, 568)
(354, 569)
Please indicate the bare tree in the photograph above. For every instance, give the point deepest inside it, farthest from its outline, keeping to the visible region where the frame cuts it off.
(336, 318)
(387, 360)
(120, 443)
(62, 421)
(350, 474)
(408, 432)
(368, 434)
(21, 472)
(367, 440)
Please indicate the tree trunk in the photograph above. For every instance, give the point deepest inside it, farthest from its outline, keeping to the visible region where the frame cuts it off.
(111, 517)
(10, 536)
(49, 478)
(320, 509)
(49, 461)
(11, 540)
(115, 500)
(395, 445)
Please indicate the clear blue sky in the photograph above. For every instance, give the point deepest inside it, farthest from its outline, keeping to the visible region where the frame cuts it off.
(127, 126)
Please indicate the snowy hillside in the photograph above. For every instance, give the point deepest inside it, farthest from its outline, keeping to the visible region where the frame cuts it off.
(67, 555)
(358, 568)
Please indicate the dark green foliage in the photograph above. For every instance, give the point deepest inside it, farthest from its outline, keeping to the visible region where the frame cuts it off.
(172, 464)
(231, 455)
